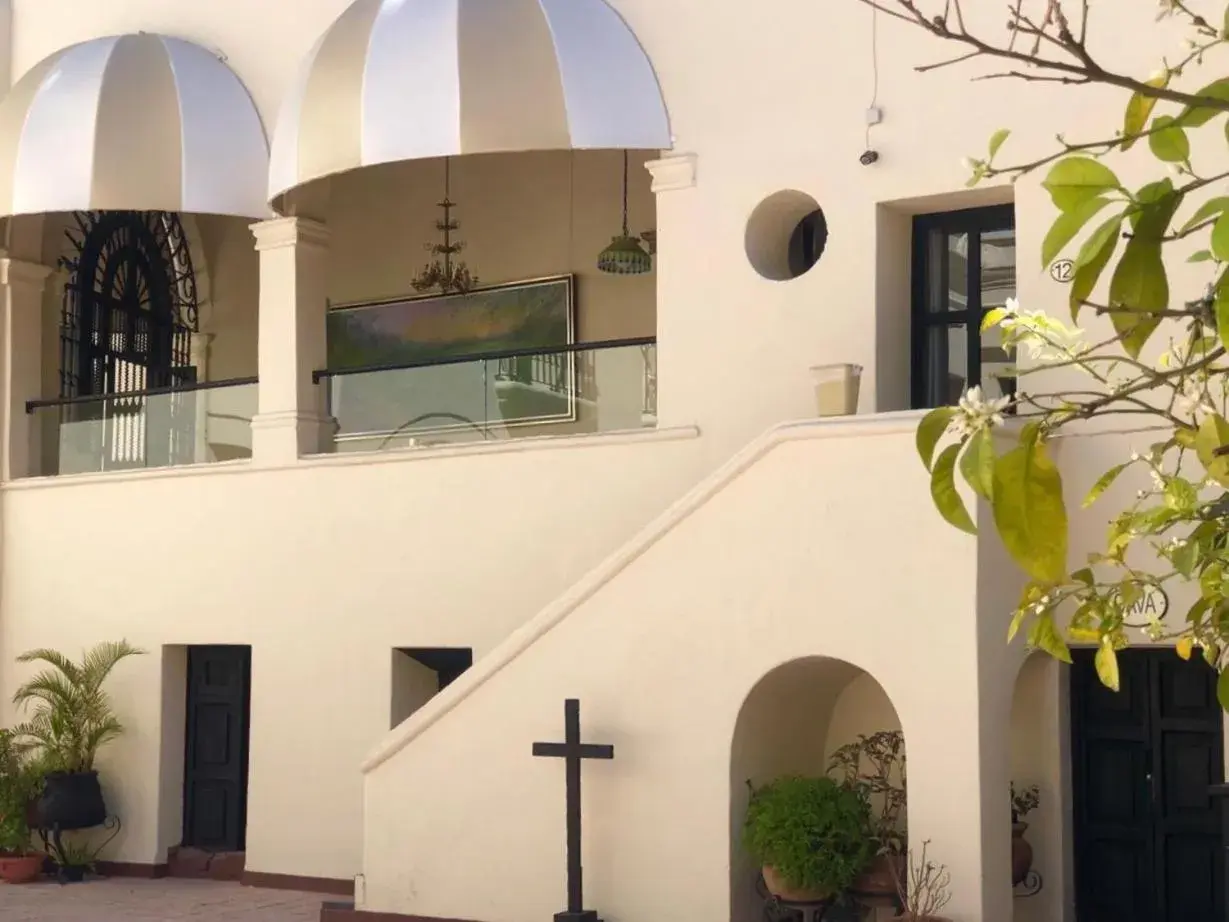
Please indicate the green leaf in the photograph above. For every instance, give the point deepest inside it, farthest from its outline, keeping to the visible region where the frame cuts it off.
(977, 463)
(997, 139)
(1213, 434)
(1103, 483)
(1093, 257)
(1183, 558)
(943, 491)
(1017, 619)
(1084, 575)
(930, 430)
(1139, 284)
(1154, 206)
(993, 317)
(1138, 109)
(1076, 179)
(1222, 690)
(1222, 313)
(1029, 512)
(1044, 636)
(1168, 140)
(1209, 209)
(1194, 116)
(1107, 664)
(1067, 225)
(1220, 237)
(1200, 256)
(1194, 614)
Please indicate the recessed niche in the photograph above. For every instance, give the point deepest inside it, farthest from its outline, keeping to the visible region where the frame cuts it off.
(786, 235)
(420, 673)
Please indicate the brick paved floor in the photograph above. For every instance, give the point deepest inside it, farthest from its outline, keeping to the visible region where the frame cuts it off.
(127, 900)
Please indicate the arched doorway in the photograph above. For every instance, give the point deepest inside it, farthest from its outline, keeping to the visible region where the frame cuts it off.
(129, 313)
(793, 722)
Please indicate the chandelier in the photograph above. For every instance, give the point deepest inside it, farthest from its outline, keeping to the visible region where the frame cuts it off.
(442, 273)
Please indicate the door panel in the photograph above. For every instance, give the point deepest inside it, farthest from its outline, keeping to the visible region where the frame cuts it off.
(215, 763)
(1147, 834)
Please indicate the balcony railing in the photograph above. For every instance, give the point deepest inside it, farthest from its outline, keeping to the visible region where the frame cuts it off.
(587, 387)
(190, 424)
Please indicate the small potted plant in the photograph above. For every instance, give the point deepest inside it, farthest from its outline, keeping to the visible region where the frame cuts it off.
(875, 767)
(924, 893)
(70, 719)
(1023, 802)
(809, 837)
(19, 863)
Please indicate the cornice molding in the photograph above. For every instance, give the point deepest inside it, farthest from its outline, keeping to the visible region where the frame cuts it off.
(278, 233)
(673, 173)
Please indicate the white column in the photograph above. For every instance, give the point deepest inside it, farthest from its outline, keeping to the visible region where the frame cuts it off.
(291, 419)
(682, 269)
(21, 353)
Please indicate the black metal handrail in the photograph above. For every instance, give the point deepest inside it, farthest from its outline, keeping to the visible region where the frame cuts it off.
(32, 405)
(318, 376)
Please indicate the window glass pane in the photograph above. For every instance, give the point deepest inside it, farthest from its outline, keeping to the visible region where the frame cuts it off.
(945, 364)
(998, 267)
(952, 249)
(997, 365)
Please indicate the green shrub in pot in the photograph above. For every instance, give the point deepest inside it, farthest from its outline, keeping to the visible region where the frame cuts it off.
(811, 835)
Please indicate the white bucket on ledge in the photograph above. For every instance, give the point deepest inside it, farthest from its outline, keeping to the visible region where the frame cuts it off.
(836, 389)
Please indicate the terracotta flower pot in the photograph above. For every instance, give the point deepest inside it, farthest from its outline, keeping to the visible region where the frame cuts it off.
(879, 881)
(20, 869)
(783, 891)
(1021, 854)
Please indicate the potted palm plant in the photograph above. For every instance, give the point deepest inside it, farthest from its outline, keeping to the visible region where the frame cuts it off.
(70, 718)
(809, 837)
(19, 863)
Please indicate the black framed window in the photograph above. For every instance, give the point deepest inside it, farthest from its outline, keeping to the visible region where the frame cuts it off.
(964, 265)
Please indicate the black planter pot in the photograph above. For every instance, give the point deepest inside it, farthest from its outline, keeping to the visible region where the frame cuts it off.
(71, 800)
(72, 873)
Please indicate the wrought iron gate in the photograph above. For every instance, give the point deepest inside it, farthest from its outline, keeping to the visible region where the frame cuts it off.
(129, 312)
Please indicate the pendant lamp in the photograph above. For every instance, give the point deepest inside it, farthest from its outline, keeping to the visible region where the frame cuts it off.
(625, 255)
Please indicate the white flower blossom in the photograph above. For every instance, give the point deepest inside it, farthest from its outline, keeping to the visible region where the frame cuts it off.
(975, 413)
(1192, 401)
(1043, 337)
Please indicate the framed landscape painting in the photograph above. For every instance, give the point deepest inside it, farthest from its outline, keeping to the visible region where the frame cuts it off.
(446, 339)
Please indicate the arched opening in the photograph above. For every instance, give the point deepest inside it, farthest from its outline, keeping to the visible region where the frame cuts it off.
(509, 322)
(811, 717)
(1040, 730)
(128, 316)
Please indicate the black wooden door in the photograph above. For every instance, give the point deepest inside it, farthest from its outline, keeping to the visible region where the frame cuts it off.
(1148, 845)
(216, 760)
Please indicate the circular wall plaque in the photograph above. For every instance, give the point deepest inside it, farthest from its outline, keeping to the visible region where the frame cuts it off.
(1061, 270)
(1152, 603)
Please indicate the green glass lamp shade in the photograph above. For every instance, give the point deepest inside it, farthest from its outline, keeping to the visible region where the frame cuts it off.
(625, 256)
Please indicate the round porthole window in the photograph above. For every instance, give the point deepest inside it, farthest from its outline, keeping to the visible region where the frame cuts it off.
(786, 235)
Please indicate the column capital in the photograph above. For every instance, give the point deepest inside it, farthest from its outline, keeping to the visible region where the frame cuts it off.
(277, 233)
(677, 171)
(21, 272)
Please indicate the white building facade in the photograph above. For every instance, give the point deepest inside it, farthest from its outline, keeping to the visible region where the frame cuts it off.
(246, 429)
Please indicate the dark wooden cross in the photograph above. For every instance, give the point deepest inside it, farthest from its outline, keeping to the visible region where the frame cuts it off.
(572, 750)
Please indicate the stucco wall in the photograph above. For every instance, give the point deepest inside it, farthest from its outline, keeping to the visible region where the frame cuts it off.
(755, 569)
(323, 569)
